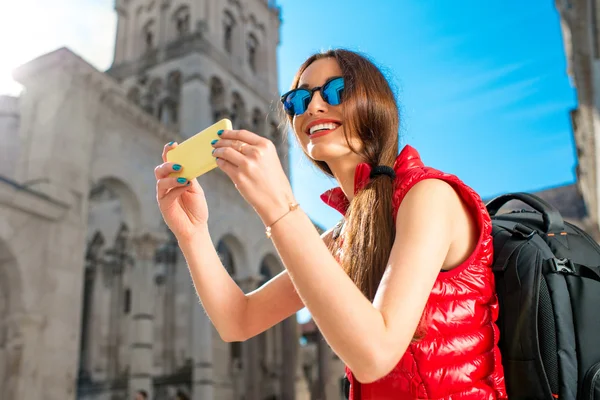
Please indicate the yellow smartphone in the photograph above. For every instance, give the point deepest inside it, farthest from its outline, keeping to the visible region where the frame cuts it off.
(195, 153)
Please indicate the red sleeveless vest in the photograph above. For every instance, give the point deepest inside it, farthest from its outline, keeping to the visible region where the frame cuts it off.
(458, 358)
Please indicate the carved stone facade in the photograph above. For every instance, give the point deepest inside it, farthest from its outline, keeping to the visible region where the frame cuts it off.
(580, 24)
(96, 301)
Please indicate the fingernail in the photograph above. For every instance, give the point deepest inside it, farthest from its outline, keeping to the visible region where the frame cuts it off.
(176, 167)
(188, 184)
(214, 151)
(170, 144)
(181, 180)
(213, 142)
(220, 132)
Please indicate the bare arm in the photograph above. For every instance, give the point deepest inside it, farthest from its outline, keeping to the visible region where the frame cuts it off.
(235, 315)
(370, 338)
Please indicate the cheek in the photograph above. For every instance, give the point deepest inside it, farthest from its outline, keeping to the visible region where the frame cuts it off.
(297, 123)
(297, 126)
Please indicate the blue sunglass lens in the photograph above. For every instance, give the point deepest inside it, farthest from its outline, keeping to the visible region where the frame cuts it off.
(297, 101)
(332, 92)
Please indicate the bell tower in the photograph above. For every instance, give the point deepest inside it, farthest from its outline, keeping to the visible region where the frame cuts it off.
(190, 62)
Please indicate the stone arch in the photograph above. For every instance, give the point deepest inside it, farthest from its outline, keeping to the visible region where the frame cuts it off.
(114, 218)
(181, 21)
(134, 95)
(270, 343)
(230, 252)
(255, 45)
(168, 108)
(217, 99)
(229, 31)
(232, 255)
(111, 188)
(237, 5)
(258, 122)
(252, 19)
(252, 52)
(149, 36)
(238, 111)
(273, 130)
(168, 112)
(11, 308)
(270, 266)
(256, 24)
(151, 97)
(173, 84)
(93, 257)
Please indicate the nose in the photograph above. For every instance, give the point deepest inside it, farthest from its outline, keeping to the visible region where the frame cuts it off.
(317, 104)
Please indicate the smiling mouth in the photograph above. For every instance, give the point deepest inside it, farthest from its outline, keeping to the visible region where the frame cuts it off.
(322, 128)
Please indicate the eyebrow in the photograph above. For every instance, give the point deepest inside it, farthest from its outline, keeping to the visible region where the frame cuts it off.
(307, 86)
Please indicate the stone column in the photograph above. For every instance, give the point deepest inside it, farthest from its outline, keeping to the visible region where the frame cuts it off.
(291, 369)
(23, 349)
(195, 106)
(323, 361)
(134, 43)
(141, 332)
(122, 34)
(196, 14)
(163, 31)
(250, 349)
(117, 259)
(271, 43)
(202, 353)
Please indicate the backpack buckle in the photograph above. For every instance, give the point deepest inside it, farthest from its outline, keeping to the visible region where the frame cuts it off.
(523, 231)
(562, 265)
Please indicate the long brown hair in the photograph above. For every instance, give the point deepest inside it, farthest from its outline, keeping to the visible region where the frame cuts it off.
(370, 111)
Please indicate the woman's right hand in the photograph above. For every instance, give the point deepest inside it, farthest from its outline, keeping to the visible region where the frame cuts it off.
(182, 203)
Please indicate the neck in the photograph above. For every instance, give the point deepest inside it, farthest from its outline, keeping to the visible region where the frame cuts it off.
(343, 169)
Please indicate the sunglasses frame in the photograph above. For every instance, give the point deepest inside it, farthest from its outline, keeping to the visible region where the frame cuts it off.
(312, 93)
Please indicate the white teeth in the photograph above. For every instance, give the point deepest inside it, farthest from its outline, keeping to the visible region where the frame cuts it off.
(328, 125)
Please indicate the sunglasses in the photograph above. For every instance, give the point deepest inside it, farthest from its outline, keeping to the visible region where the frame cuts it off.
(296, 101)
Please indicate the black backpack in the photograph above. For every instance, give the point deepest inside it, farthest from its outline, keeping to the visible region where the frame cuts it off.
(548, 283)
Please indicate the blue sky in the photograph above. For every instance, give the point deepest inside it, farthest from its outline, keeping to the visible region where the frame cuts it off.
(483, 89)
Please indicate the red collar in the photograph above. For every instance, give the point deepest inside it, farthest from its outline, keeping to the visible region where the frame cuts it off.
(407, 159)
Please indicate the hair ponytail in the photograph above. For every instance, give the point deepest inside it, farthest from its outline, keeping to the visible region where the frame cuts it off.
(369, 235)
(370, 111)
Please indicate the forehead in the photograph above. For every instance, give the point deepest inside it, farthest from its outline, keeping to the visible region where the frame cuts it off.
(319, 71)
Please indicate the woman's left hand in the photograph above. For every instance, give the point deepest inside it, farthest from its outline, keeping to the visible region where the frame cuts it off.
(252, 163)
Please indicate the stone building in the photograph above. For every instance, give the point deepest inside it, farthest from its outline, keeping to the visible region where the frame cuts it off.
(95, 299)
(578, 202)
(580, 25)
(322, 368)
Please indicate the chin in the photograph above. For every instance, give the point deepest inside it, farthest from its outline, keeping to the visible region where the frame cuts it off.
(327, 153)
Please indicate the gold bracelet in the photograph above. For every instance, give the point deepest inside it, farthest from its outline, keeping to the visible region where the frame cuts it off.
(293, 206)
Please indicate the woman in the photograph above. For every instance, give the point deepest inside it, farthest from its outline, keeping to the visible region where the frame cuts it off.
(412, 310)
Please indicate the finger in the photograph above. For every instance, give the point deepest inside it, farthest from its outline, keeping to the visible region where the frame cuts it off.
(168, 146)
(243, 135)
(165, 169)
(248, 150)
(230, 155)
(226, 143)
(173, 194)
(230, 169)
(252, 152)
(164, 185)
